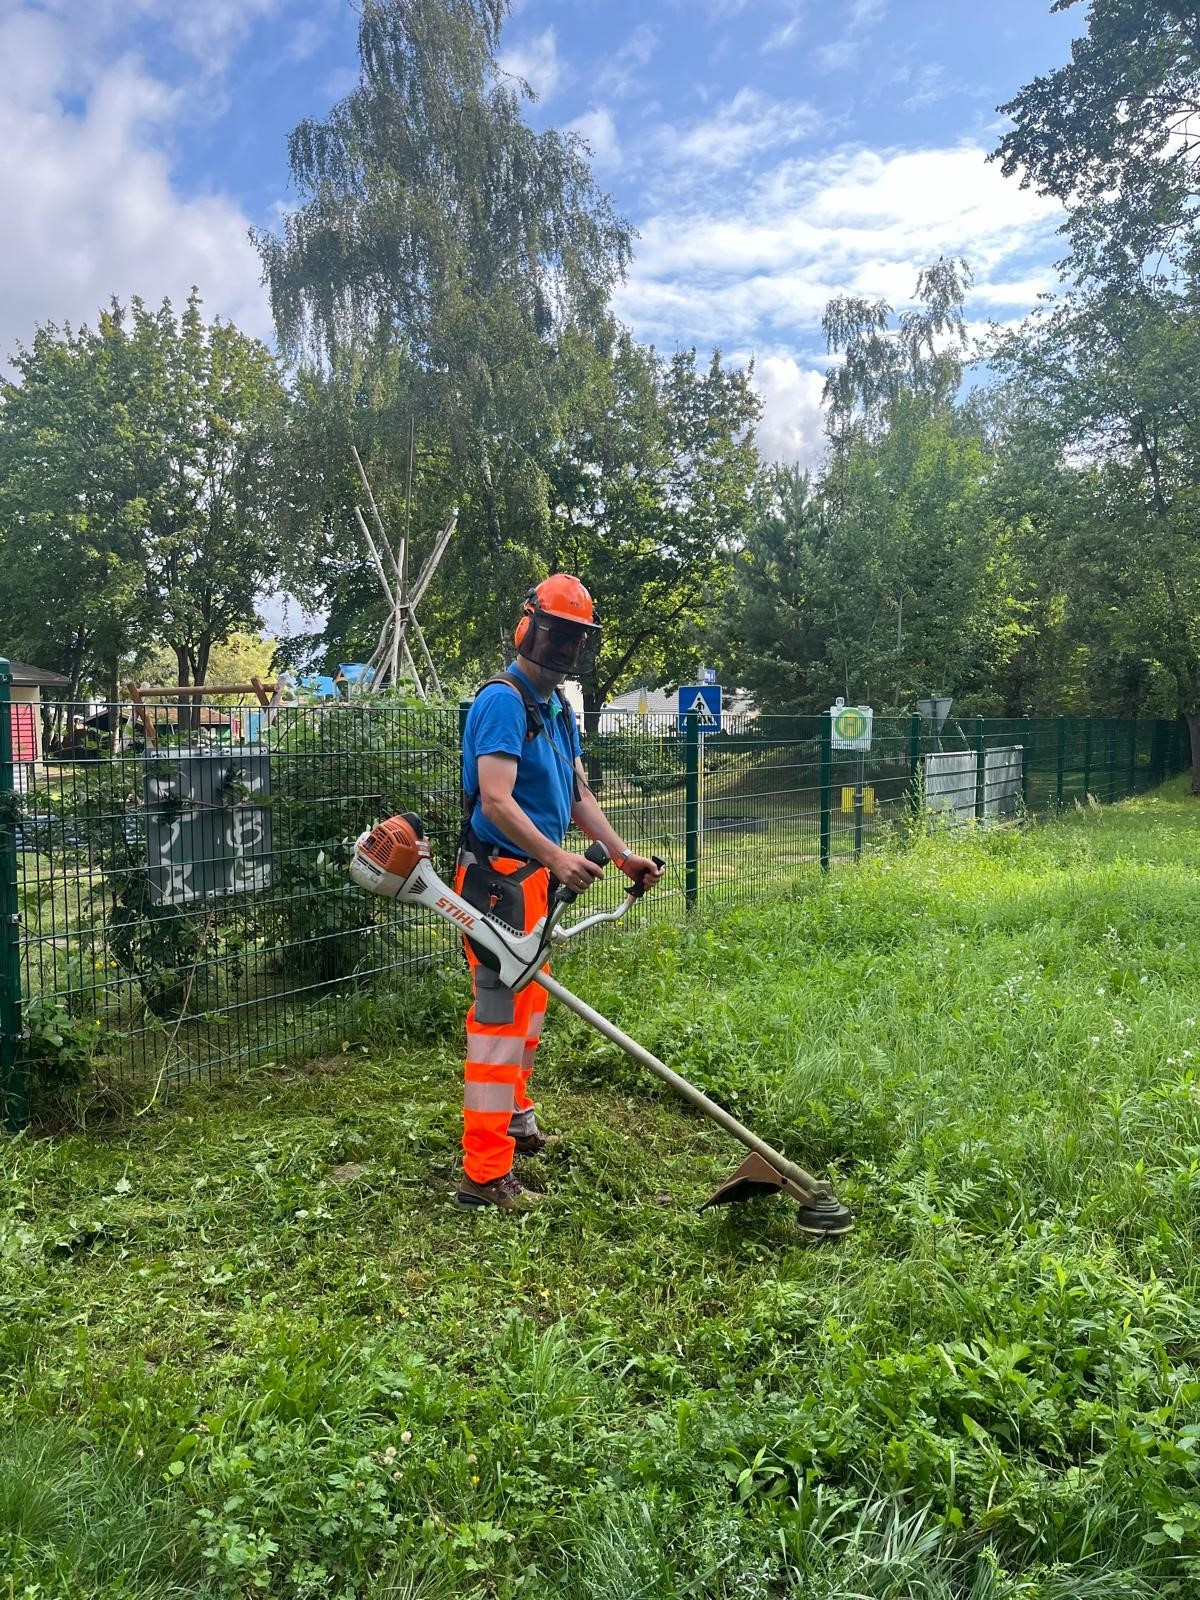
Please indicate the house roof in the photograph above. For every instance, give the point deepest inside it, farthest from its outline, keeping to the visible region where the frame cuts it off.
(26, 677)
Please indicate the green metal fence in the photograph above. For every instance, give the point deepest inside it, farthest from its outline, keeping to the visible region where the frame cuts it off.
(174, 905)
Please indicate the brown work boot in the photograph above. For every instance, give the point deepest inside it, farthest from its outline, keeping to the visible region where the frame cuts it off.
(507, 1192)
(532, 1144)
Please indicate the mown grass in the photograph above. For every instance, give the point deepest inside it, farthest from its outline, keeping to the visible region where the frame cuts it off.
(250, 1347)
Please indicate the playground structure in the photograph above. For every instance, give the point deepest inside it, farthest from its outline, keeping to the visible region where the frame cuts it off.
(392, 656)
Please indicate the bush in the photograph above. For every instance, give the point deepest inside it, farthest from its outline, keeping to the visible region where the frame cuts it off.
(335, 771)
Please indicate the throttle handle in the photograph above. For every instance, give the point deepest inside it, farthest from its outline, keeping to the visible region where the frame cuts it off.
(638, 889)
(596, 853)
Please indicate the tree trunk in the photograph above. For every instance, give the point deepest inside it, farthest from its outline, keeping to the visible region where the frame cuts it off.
(592, 702)
(185, 706)
(1193, 722)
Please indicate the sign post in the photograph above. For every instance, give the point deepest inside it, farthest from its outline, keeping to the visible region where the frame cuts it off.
(703, 701)
(850, 729)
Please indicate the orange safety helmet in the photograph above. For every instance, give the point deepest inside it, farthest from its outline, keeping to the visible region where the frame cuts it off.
(557, 621)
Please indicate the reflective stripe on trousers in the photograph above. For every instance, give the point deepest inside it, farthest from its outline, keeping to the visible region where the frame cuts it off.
(503, 1030)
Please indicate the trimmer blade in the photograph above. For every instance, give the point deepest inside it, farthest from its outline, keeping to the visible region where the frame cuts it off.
(821, 1215)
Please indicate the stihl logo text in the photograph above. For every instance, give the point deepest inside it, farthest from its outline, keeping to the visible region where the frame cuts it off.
(452, 910)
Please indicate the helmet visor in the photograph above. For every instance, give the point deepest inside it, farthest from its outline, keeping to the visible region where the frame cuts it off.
(560, 646)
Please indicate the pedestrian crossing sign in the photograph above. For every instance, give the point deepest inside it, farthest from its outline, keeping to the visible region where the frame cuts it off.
(705, 700)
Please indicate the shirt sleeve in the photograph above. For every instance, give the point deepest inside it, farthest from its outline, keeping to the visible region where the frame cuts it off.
(499, 718)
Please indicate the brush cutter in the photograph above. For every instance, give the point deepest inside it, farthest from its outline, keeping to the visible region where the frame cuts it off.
(392, 860)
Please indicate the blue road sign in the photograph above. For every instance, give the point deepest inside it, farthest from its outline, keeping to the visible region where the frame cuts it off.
(708, 674)
(705, 700)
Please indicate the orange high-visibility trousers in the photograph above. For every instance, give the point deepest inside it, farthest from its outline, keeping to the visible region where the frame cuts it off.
(503, 1030)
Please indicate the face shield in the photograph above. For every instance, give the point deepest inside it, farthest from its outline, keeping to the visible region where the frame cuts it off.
(558, 645)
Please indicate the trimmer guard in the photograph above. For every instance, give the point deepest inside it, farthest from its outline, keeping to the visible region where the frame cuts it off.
(820, 1214)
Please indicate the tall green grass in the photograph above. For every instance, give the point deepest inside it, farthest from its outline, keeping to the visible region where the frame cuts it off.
(249, 1346)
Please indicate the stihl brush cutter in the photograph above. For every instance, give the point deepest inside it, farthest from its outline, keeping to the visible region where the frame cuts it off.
(393, 860)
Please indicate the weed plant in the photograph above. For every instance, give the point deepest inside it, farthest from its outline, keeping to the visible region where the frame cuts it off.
(249, 1346)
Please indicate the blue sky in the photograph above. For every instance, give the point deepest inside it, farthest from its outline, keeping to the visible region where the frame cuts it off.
(771, 153)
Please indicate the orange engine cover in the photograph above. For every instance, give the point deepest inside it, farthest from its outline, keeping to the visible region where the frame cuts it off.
(395, 847)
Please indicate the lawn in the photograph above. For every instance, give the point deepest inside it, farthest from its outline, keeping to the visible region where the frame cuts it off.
(249, 1346)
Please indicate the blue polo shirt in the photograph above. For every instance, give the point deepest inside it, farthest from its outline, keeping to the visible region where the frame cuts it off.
(544, 789)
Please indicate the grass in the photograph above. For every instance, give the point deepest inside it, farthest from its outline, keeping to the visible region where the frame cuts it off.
(249, 1346)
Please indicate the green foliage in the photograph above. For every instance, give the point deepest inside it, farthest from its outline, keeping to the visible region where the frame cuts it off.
(441, 240)
(880, 364)
(891, 579)
(1111, 134)
(60, 1051)
(1108, 377)
(136, 489)
(335, 771)
(650, 495)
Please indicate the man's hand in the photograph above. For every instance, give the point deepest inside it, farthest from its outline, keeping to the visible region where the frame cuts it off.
(642, 869)
(576, 873)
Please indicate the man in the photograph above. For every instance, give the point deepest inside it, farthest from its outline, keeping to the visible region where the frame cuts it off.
(524, 780)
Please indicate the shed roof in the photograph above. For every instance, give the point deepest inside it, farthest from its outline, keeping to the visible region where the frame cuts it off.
(26, 677)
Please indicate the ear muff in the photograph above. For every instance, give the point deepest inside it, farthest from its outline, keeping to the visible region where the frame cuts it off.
(521, 632)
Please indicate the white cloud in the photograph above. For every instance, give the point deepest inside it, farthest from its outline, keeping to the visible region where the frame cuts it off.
(621, 75)
(743, 129)
(845, 52)
(841, 54)
(723, 10)
(792, 425)
(600, 131)
(208, 30)
(212, 29)
(783, 36)
(766, 261)
(88, 193)
(535, 61)
(307, 37)
(866, 13)
(928, 84)
(640, 45)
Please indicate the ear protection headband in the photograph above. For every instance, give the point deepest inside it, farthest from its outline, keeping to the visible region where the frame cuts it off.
(527, 610)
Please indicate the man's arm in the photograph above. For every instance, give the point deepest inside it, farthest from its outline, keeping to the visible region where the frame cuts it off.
(589, 818)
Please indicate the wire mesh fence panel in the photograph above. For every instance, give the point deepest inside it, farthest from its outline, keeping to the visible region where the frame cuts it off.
(636, 768)
(181, 876)
(759, 804)
(188, 894)
(870, 791)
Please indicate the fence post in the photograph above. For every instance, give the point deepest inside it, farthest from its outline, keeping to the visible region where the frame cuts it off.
(914, 764)
(1060, 761)
(980, 770)
(691, 809)
(1087, 759)
(826, 787)
(1111, 753)
(1133, 750)
(1026, 752)
(12, 1070)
